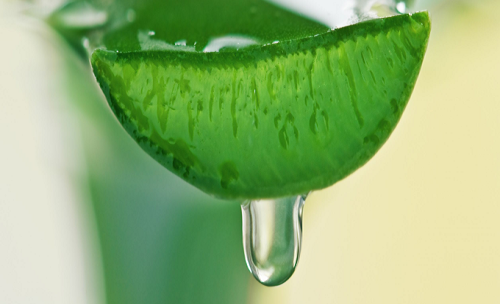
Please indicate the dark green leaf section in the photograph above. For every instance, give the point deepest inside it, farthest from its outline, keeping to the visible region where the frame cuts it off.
(196, 22)
(272, 120)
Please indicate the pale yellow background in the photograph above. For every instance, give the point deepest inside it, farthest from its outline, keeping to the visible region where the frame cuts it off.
(420, 223)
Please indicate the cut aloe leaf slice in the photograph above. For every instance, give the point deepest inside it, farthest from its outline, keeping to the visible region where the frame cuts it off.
(268, 120)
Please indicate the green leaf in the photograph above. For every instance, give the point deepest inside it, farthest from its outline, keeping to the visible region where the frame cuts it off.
(197, 22)
(268, 120)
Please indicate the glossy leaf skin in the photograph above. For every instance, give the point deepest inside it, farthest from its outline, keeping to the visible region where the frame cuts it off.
(273, 120)
(198, 21)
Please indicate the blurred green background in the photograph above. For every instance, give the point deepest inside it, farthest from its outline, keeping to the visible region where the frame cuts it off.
(87, 217)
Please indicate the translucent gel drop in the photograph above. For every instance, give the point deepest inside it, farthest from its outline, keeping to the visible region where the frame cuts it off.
(272, 235)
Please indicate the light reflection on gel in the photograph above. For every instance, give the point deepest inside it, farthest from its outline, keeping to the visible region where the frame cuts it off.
(231, 41)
